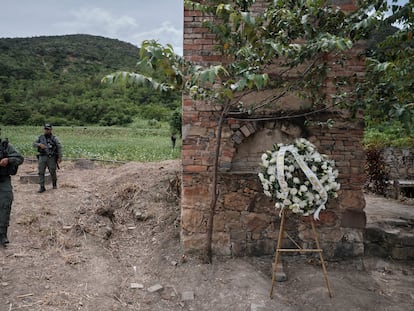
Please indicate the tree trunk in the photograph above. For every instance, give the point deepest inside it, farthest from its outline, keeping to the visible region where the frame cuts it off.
(214, 193)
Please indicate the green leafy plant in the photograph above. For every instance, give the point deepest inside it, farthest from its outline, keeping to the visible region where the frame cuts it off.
(144, 144)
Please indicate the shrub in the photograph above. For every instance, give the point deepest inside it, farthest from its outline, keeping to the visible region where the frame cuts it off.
(376, 170)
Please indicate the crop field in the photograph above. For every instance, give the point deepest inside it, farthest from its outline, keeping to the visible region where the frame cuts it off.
(100, 143)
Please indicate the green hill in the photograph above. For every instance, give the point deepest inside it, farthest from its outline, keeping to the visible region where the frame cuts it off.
(57, 79)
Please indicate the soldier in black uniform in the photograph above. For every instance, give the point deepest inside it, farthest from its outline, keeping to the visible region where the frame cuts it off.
(50, 155)
(10, 159)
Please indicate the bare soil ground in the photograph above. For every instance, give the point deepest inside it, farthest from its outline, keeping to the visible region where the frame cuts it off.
(110, 233)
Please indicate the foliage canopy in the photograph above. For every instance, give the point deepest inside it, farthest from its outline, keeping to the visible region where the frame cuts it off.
(57, 79)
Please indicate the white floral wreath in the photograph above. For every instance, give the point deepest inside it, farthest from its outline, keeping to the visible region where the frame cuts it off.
(299, 178)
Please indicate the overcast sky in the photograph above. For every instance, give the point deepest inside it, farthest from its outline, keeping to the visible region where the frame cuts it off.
(127, 20)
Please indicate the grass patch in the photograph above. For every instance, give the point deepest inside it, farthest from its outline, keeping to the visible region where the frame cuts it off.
(101, 143)
(388, 135)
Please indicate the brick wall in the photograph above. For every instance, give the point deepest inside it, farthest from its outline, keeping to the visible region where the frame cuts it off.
(246, 222)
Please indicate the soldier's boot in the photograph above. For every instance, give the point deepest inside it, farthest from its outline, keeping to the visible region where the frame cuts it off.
(3, 236)
(54, 184)
(3, 240)
(41, 189)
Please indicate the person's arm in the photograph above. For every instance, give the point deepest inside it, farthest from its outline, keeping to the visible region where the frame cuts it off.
(37, 144)
(14, 157)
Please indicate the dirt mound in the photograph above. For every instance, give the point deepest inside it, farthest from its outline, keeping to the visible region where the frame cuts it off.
(108, 239)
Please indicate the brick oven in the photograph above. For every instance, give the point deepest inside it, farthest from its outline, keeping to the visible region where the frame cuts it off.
(246, 222)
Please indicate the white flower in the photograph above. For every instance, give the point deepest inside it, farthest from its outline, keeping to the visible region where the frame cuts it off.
(318, 159)
(271, 170)
(261, 177)
(296, 208)
(303, 195)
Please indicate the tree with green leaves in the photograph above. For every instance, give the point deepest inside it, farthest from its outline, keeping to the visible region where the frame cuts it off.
(294, 37)
(387, 92)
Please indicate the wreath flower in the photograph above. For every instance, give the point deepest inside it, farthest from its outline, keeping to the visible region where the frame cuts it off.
(298, 177)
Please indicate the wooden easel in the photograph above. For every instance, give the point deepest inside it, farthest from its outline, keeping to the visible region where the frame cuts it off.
(298, 249)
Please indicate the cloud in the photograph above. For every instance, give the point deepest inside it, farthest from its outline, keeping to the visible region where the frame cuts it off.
(97, 21)
(164, 34)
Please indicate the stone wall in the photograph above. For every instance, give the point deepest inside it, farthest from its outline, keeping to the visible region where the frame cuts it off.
(246, 222)
(399, 162)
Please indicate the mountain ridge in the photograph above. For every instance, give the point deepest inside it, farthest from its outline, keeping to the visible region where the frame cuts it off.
(58, 79)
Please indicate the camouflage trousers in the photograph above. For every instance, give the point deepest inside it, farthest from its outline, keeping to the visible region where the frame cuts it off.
(6, 200)
(50, 163)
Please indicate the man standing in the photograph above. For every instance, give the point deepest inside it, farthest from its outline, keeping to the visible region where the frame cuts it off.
(50, 155)
(10, 159)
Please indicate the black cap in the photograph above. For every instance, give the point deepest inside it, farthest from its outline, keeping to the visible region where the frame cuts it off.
(48, 126)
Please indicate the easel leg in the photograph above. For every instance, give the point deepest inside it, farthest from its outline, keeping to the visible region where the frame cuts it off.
(325, 273)
(278, 247)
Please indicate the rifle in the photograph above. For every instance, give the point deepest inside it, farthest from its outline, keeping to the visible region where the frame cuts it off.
(9, 169)
(56, 160)
(50, 149)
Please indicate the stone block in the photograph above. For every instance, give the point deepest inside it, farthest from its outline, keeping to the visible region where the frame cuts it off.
(238, 249)
(280, 275)
(194, 221)
(137, 285)
(260, 248)
(353, 219)
(348, 249)
(155, 288)
(33, 178)
(402, 253)
(256, 222)
(236, 201)
(352, 199)
(257, 307)
(187, 295)
(237, 138)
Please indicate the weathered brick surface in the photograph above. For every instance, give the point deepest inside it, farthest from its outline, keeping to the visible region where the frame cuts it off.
(246, 222)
